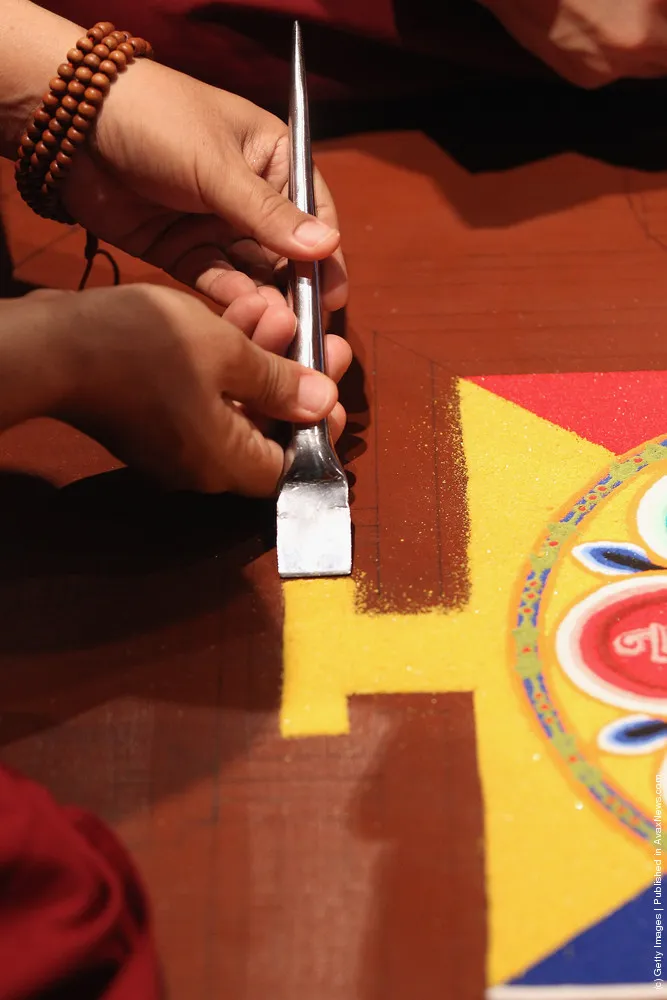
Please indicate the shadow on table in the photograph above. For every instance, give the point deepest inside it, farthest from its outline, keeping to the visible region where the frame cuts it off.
(107, 585)
(490, 132)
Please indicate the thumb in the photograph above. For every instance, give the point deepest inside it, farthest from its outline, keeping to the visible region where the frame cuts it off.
(252, 206)
(272, 386)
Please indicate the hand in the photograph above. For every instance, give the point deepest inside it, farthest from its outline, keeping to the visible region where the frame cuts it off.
(175, 391)
(194, 180)
(590, 42)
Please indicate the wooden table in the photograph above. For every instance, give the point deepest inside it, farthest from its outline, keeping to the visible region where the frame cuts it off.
(141, 637)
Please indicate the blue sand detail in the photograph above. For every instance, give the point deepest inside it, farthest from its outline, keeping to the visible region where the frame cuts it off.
(617, 950)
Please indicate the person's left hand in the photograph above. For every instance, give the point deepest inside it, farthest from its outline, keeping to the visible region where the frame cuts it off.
(194, 181)
(591, 43)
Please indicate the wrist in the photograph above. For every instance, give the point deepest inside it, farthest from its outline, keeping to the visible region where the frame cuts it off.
(37, 363)
(33, 43)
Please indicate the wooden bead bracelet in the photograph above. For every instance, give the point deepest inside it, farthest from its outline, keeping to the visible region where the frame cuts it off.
(64, 119)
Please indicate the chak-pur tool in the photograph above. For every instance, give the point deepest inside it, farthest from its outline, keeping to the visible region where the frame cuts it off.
(314, 525)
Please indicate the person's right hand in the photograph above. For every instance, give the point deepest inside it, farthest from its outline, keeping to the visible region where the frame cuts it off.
(168, 387)
(188, 177)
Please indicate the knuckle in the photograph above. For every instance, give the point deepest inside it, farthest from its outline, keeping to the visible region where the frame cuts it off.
(234, 349)
(627, 35)
(273, 387)
(271, 205)
(202, 472)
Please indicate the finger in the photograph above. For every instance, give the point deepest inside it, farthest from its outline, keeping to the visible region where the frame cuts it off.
(246, 312)
(248, 256)
(270, 326)
(335, 284)
(275, 331)
(194, 250)
(338, 355)
(207, 269)
(337, 421)
(325, 207)
(273, 386)
(334, 270)
(251, 464)
(276, 328)
(253, 206)
(334, 279)
(272, 295)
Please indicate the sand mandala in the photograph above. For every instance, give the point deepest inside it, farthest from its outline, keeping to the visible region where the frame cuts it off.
(563, 642)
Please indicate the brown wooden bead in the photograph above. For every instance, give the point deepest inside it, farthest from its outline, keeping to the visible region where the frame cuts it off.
(150, 52)
(87, 110)
(109, 69)
(94, 95)
(100, 81)
(69, 110)
(75, 136)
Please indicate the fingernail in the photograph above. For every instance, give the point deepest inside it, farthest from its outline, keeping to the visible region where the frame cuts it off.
(311, 232)
(314, 393)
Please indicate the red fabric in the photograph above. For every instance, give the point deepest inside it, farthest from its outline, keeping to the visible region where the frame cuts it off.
(355, 49)
(73, 919)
